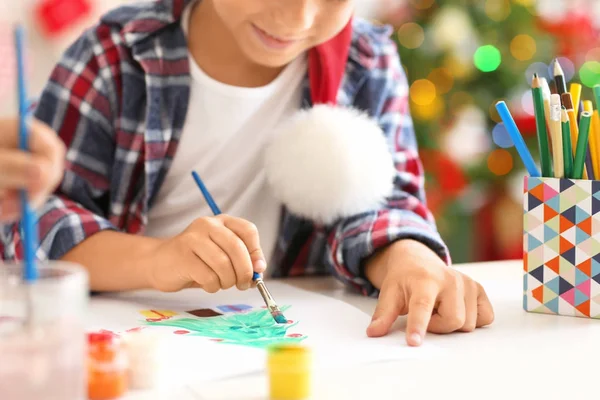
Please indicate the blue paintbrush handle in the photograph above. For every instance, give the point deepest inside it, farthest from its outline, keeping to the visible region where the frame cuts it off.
(517, 139)
(28, 218)
(206, 194)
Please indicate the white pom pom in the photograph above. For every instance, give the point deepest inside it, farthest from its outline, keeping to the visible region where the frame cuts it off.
(330, 162)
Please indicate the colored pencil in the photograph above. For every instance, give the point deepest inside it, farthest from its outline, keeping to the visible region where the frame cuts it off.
(546, 94)
(542, 130)
(28, 217)
(260, 284)
(559, 78)
(597, 96)
(567, 101)
(589, 107)
(517, 138)
(582, 144)
(575, 91)
(567, 152)
(595, 130)
(557, 139)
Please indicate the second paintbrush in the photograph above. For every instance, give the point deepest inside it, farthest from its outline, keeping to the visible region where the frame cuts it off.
(260, 285)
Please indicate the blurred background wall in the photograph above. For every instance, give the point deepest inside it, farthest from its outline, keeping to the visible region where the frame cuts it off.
(460, 57)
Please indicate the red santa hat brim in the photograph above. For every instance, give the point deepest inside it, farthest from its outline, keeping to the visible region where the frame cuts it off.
(327, 65)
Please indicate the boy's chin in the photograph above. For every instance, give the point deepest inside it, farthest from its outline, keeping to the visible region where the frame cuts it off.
(272, 59)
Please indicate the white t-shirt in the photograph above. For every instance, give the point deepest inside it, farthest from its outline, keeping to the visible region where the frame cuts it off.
(223, 139)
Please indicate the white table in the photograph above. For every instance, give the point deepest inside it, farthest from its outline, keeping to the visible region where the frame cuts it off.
(521, 356)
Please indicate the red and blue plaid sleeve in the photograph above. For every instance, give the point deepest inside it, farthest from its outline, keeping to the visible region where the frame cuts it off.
(405, 216)
(78, 103)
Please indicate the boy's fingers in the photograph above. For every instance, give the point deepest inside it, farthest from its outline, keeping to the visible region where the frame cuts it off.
(451, 313)
(470, 307)
(18, 169)
(45, 142)
(42, 139)
(387, 311)
(235, 249)
(205, 277)
(216, 259)
(10, 206)
(249, 234)
(420, 308)
(485, 311)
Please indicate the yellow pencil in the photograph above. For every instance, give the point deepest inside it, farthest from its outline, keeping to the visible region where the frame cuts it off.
(596, 138)
(589, 107)
(576, 96)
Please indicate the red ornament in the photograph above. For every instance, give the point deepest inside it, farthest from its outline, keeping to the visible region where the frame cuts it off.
(55, 16)
(449, 176)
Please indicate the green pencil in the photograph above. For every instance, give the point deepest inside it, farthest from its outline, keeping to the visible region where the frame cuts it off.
(582, 144)
(566, 139)
(542, 134)
(597, 95)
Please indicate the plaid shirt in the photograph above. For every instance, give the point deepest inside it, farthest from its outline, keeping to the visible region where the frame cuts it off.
(118, 99)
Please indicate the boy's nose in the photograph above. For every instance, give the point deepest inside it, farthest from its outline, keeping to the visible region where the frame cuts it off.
(297, 16)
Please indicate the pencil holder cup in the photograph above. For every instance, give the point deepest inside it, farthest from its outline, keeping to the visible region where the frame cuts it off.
(561, 245)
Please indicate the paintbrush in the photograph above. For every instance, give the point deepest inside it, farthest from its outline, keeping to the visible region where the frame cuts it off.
(260, 284)
(28, 218)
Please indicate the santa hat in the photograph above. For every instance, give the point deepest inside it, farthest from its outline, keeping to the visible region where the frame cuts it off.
(329, 162)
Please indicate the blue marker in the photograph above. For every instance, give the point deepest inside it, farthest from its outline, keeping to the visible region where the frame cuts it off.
(517, 139)
(260, 285)
(28, 219)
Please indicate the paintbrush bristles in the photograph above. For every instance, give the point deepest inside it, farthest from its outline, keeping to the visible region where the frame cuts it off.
(567, 101)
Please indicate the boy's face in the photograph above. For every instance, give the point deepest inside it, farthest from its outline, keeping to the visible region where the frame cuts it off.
(274, 32)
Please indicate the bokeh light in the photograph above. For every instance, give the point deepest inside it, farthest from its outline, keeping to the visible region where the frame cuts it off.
(525, 3)
(423, 92)
(523, 47)
(494, 112)
(497, 10)
(527, 103)
(590, 73)
(422, 4)
(442, 79)
(500, 162)
(501, 137)
(487, 58)
(459, 100)
(428, 112)
(537, 68)
(593, 54)
(554, 10)
(457, 67)
(567, 66)
(411, 35)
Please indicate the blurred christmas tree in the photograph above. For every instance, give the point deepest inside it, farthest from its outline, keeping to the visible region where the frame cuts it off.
(461, 56)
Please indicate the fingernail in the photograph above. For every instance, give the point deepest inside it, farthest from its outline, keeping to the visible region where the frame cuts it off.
(415, 339)
(260, 265)
(374, 323)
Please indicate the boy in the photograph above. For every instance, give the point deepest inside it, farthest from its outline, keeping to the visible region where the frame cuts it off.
(159, 89)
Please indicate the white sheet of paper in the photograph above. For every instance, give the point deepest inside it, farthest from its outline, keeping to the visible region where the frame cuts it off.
(336, 332)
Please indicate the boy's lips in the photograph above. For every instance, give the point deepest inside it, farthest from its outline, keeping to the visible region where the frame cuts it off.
(273, 41)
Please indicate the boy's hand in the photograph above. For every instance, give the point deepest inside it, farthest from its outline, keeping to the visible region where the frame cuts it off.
(438, 299)
(39, 171)
(212, 253)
